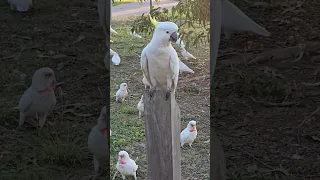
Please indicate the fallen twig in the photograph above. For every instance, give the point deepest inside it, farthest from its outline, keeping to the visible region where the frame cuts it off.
(270, 104)
(266, 165)
(310, 115)
(311, 84)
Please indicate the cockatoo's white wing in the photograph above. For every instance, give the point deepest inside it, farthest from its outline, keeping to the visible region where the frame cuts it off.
(132, 165)
(144, 64)
(25, 100)
(184, 135)
(234, 19)
(174, 66)
(116, 59)
(184, 68)
(186, 54)
(112, 53)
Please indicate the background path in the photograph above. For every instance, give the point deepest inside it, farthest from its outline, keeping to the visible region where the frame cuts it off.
(135, 8)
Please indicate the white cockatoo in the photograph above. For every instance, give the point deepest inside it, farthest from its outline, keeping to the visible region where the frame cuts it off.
(122, 92)
(134, 34)
(115, 57)
(184, 68)
(189, 134)
(39, 99)
(232, 18)
(98, 139)
(186, 54)
(126, 166)
(180, 42)
(140, 107)
(20, 5)
(145, 82)
(159, 60)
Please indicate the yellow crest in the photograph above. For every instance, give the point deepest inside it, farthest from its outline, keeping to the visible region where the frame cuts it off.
(153, 21)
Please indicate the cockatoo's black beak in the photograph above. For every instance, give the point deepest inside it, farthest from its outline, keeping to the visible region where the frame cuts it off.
(173, 37)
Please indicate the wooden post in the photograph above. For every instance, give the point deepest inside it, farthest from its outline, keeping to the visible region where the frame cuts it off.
(163, 136)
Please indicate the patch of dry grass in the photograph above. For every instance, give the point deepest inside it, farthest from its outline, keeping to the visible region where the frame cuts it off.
(63, 35)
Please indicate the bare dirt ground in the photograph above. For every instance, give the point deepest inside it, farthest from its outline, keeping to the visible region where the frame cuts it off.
(261, 135)
(66, 36)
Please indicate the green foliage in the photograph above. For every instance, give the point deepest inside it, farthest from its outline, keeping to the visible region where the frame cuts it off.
(192, 17)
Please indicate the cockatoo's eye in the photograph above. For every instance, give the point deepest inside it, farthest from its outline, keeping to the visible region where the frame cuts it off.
(167, 32)
(49, 74)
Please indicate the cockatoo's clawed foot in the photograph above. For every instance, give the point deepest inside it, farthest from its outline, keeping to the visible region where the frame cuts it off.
(168, 93)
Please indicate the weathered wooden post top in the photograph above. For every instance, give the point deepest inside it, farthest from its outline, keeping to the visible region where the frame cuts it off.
(163, 136)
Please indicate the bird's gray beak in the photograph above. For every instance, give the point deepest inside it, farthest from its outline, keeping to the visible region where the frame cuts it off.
(174, 37)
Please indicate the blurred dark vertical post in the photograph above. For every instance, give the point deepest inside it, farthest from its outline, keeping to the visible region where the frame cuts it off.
(104, 10)
(217, 159)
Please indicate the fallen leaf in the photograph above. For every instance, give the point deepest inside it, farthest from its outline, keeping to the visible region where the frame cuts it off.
(252, 168)
(261, 4)
(80, 38)
(263, 170)
(315, 138)
(61, 65)
(208, 141)
(296, 156)
(284, 171)
(288, 10)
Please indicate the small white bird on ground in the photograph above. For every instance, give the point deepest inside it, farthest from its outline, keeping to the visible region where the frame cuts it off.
(140, 107)
(112, 31)
(97, 141)
(180, 43)
(145, 82)
(126, 166)
(115, 57)
(20, 5)
(39, 99)
(189, 134)
(186, 54)
(134, 34)
(122, 92)
(184, 68)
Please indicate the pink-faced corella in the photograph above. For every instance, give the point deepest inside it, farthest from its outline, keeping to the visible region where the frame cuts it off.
(39, 99)
(122, 92)
(126, 166)
(140, 107)
(20, 5)
(98, 141)
(189, 134)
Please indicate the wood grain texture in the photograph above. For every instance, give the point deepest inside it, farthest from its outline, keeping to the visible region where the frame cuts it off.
(163, 137)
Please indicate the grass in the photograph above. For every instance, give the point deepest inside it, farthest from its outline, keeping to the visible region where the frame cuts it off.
(129, 131)
(117, 2)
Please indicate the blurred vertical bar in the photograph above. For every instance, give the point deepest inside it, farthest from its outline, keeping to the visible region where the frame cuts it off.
(217, 159)
(104, 9)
